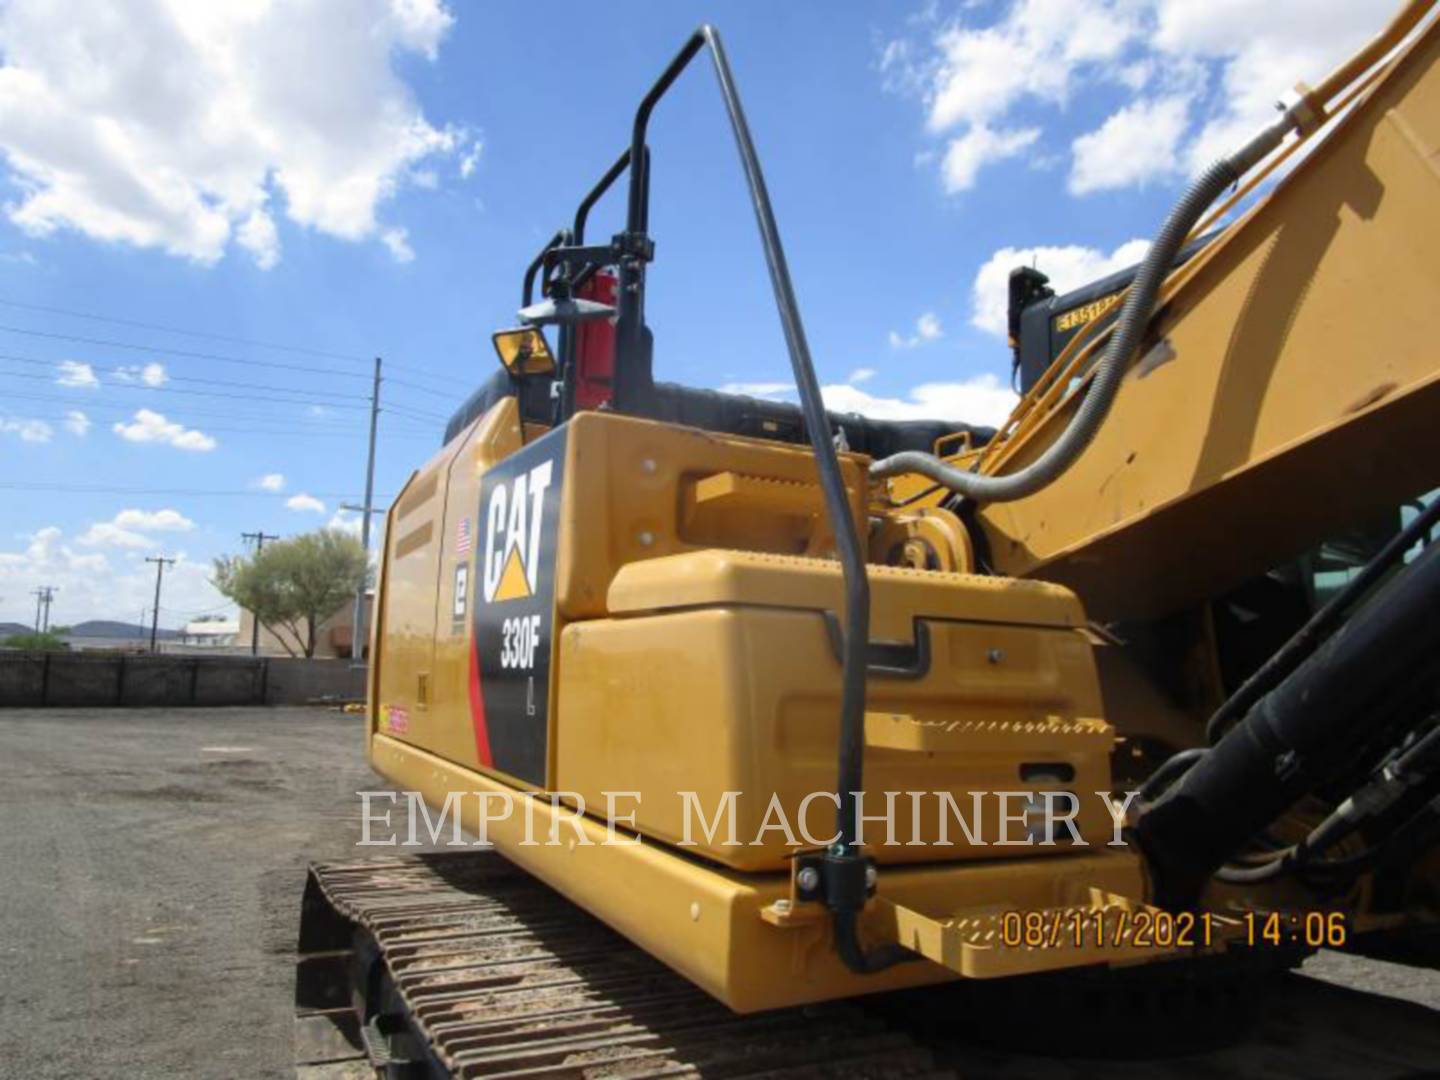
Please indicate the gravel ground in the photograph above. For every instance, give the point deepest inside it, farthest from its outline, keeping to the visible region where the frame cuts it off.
(151, 864)
(152, 867)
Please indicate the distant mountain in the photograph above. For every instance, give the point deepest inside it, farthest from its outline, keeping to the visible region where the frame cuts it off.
(10, 629)
(109, 628)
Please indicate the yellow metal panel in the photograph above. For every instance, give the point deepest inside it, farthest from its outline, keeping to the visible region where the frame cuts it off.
(898, 594)
(403, 656)
(746, 700)
(420, 635)
(628, 506)
(710, 924)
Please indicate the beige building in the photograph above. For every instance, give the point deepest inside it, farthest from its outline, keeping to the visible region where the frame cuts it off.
(332, 640)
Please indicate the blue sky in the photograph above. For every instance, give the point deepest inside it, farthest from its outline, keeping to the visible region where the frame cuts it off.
(351, 179)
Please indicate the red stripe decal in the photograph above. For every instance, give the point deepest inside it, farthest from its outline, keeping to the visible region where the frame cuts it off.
(477, 710)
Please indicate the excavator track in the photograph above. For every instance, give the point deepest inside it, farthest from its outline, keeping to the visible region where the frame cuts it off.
(462, 965)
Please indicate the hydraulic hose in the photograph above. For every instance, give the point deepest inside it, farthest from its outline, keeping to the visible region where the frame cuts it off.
(1169, 771)
(1129, 331)
(1301, 734)
(855, 956)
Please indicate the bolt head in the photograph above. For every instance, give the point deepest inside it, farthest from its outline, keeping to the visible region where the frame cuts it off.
(995, 655)
(808, 879)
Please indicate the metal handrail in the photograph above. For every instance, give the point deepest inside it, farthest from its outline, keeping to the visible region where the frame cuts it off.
(847, 876)
(847, 883)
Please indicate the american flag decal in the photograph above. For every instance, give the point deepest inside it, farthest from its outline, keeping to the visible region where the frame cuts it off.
(462, 537)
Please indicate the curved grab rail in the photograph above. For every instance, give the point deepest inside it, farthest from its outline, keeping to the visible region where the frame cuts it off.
(847, 876)
(845, 870)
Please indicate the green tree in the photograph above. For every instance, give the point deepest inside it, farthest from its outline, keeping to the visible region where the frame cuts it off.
(294, 585)
(49, 641)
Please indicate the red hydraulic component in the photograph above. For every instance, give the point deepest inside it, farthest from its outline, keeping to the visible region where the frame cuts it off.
(595, 346)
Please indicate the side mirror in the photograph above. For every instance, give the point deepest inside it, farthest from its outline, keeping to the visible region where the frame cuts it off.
(524, 351)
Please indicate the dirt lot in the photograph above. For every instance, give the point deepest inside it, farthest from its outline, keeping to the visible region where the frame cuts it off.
(150, 872)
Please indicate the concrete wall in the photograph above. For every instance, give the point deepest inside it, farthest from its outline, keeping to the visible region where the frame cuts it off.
(91, 679)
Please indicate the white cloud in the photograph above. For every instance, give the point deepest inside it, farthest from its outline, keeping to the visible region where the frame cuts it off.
(159, 520)
(1034, 51)
(927, 329)
(1259, 52)
(397, 242)
(1210, 71)
(73, 372)
(981, 400)
(186, 126)
(125, 529)
(758, 389)
(1067, 267)
(257, 234)
(471, 159)
(305, 503)
(28, 430)
(77, 423)
(91, 587)
(978, 147)
(345, 521)
(271, 482)
(108, 534)
(1134, 145)
(151, 374)
(149, 426)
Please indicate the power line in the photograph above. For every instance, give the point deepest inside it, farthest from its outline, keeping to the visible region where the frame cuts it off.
(201, 611)
(280, 433)
(153, 350)
(326, 402)
(109, 489)
(252, 342)
(413, 414)
(129, 409)
(448, 394)
(126, 380)
(177, 330)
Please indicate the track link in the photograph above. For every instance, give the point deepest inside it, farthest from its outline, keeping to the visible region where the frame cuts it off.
(462, 965)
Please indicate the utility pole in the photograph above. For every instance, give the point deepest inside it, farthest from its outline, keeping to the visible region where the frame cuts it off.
(43, 596)
(155, 615)
(259, 538)
(358, 636)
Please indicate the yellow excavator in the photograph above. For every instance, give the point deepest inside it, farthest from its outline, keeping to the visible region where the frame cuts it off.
(762, 707)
